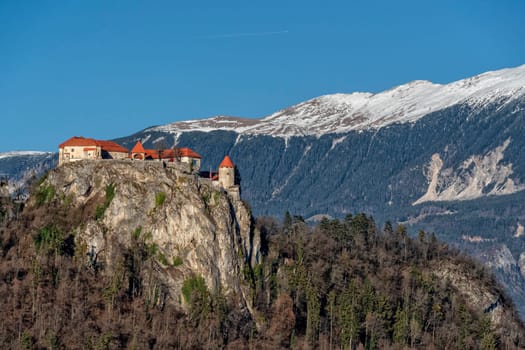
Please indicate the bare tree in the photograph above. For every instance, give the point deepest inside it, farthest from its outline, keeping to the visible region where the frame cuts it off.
(160, 147)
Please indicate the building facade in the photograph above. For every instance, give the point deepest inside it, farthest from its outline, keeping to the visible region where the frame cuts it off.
(183, 155)
(79, 148)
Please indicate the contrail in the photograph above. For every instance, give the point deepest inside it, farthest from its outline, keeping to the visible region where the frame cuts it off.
(241, 35)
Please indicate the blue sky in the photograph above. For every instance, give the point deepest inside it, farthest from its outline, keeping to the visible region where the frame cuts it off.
(107, 69)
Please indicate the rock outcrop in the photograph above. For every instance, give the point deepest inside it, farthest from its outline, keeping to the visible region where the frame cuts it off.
(485, 300)
(192, 227)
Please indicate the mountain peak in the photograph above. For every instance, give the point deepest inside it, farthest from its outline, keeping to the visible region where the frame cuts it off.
(340, 113)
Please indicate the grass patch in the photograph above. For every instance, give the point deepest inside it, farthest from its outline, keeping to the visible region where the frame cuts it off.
(177, 261)
(162, 259)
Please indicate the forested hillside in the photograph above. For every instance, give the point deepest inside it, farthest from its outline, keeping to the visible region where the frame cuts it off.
(341, 284)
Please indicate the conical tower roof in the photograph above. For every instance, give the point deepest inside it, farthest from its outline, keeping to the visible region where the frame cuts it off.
(226, 163)
(138, 148)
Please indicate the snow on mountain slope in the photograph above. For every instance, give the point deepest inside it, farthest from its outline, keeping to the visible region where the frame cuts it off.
(21, 166)
(21, 153)
(341, 113)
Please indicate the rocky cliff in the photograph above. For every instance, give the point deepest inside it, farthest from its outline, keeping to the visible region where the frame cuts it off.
(192, 227)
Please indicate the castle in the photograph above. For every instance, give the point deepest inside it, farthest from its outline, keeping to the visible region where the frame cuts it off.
(81, 148)
(78, 148)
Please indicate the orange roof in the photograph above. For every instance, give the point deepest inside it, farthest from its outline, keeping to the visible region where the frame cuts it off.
(78, 141)
(188, 152)
(151, 153)
(226, 163)
(138, 148)
(108, 146)
(172, 153)
(111, 146)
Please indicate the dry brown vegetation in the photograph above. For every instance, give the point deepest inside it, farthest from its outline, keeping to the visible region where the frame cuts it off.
(340, 285)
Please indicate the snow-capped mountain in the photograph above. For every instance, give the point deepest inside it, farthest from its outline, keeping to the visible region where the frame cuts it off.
(341, 113)
(22, 153)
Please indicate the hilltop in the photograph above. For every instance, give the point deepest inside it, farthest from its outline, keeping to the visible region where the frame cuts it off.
(122, 254)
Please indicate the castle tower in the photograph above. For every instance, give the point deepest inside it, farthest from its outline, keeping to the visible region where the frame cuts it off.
(227, 173)
(138, 151)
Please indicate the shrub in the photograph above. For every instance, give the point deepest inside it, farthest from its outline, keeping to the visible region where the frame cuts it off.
(26, 341)
(198, 298)
(194, 286)
(99, 212)
(101, 209)
(44, 194)
(136, 234)
(160, 198)
(177, 261)
(162, 259)
(52, 340)
(151, 250)
(206, 197)
(110, 193)
(49, 239)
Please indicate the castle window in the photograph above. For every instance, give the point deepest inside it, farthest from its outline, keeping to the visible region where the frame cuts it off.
(72, 150)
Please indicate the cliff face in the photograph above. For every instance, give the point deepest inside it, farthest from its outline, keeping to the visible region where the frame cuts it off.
(485, 299)
(192, 227)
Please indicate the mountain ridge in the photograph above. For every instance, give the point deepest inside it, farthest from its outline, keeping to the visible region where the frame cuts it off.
(23, 153)
(340, 113)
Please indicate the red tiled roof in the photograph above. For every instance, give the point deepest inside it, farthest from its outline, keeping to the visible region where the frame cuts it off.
(168, 153)
(226, 163)
(108, 146)
(78, 141)
(111, 146)
(188, 152)
(152, 153)
(138, 148)
(172, 153)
